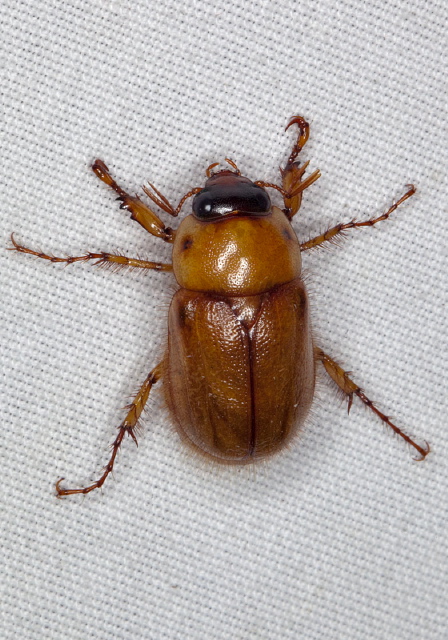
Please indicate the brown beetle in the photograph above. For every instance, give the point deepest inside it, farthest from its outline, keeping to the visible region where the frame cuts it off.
(239, 369)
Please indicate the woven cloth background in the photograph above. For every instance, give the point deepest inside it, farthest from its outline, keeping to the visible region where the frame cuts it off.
(343, 536)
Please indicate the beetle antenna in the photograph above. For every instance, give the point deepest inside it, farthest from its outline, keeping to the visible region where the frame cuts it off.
(234, 165)
(208, 171)
(271, 185)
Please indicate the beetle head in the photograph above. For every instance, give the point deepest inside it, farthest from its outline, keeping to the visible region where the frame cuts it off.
(227, 193)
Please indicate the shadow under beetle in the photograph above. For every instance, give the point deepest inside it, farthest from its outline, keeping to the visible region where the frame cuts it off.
(240, 366)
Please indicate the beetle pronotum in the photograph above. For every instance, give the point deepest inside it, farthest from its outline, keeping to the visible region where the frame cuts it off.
(240, 365)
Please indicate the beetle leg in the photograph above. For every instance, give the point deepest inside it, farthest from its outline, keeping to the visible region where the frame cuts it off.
(338, 230)
(138, 209)
(294, 186)
(304, 134)
(102, 259)
(292, 174)
(128, 426)
(350, 388)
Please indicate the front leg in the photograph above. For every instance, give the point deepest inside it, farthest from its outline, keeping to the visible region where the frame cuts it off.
(139, 210)
(292, 174)
(292, 184)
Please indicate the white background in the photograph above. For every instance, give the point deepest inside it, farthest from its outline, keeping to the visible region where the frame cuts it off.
(343, 536)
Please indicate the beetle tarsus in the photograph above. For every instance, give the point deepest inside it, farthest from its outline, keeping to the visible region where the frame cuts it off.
(304, 134)
(128, 426)
(423, 452)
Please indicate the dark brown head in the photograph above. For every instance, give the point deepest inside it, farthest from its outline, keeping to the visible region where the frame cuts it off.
(228, 193)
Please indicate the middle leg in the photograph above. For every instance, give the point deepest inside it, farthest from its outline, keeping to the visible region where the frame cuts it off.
(102, 259)
(331, 234)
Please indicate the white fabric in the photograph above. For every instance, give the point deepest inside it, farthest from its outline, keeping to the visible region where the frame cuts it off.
(342, 536)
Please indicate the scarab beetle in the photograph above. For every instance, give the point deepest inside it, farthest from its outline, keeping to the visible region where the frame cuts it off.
(240, 365)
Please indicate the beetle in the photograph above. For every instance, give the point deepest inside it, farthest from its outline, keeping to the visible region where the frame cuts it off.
(240, 365)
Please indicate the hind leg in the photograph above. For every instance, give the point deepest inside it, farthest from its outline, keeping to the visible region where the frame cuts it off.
(128, 426)
(350, 388)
